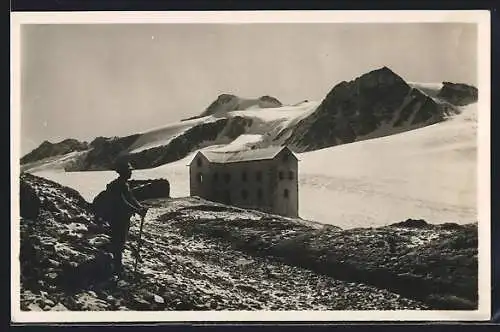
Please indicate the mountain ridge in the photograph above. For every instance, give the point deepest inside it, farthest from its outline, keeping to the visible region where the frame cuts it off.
(375, 104)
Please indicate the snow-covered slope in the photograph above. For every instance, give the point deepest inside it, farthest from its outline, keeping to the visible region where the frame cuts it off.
(430, 89)
(163, 135)
(266, 122)
(427, 173)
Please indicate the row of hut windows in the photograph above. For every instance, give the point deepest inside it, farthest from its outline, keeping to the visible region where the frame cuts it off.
(244, 177)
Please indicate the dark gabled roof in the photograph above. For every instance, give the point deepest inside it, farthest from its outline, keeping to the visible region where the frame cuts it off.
(224, 157)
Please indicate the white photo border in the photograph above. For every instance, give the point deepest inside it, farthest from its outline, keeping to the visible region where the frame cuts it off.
(479, 17)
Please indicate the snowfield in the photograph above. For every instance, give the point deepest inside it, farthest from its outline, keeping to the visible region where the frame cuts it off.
(427, 173)
(163, 135)
(430, 89)
(267, 122)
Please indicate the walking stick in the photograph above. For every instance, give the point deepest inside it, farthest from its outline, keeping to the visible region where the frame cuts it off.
(138, 245)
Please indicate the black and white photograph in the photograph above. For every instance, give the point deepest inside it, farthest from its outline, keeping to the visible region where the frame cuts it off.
(232, 167)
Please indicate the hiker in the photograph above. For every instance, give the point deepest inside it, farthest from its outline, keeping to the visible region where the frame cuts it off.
(124, 207)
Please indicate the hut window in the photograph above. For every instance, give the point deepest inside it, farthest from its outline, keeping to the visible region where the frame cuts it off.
(258, 176)
(281, 175)
(285, 193)
(200, 177)
(244, 194)
(244, 176)
(259, 194)
(290, 175)
(227, 177)
(199, 162)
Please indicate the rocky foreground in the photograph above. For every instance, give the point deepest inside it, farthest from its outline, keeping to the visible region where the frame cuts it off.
(197, 255)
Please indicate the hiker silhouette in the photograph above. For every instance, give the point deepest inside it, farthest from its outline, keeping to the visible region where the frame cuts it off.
(122, 205)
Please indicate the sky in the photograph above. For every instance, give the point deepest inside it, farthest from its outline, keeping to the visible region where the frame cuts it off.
(88, 80)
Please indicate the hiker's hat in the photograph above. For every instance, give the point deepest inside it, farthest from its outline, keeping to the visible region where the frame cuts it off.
(122, 167)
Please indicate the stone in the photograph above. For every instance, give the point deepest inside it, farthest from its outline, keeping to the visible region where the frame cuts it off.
(122, 283)
(158, 299)
(100, 240)
(49, 302)
(34, 307)
(92, 293)
(54, 263)
(59, 307)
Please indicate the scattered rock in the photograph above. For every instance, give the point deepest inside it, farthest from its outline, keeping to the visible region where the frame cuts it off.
(52, 275)
(87, 302)
(59, 307)
(158, 299)
(34, 307)
(140, 303)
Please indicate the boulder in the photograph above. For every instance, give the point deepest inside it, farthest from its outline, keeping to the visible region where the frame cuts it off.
(412, 223)
(29, 201)
(149, 189)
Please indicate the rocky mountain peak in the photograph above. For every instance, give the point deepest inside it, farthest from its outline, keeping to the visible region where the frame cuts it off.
(381, 76)
(360, 108)
(48, 149)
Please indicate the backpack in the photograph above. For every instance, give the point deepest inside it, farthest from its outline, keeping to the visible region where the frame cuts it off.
(108, 204)
(102, 206)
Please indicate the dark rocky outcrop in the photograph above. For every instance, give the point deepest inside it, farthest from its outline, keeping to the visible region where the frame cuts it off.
(412, 223)
(458, 94)
(376, 104)
(103, 155)
(48, 149)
